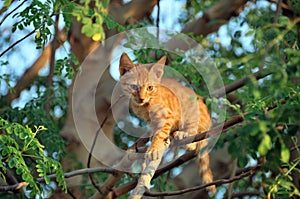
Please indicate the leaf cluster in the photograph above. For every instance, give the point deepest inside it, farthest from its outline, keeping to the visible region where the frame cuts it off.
(22, 152)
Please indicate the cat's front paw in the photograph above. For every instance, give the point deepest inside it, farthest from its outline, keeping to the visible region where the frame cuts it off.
(179, 135)
(154, 154)
(157, 149)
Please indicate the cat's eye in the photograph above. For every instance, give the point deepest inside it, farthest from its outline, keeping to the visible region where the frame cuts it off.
(150, 88)
(134, 87)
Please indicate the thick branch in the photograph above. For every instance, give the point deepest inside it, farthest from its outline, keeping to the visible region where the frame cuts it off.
(182, 159)
(239, 83)
(126, 162)
(133, 11)
(215, 16)
(120, 191)
(211, 21)
(32, 72)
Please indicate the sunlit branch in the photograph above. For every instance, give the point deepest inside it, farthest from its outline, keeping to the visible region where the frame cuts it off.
(239, 83)
(32, 71)
(250, 171)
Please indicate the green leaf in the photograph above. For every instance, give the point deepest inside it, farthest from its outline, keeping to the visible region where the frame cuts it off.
(12, 162)
(265, 145)
(19, 170)
(26, 176)
(284, 154)
(263, 126)
(88, 30)
(47, 179)
(7, 3)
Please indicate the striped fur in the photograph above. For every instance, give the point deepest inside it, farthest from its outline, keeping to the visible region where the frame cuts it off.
(168, 107)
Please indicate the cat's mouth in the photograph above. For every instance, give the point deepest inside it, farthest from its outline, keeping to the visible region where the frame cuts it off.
(141, 102)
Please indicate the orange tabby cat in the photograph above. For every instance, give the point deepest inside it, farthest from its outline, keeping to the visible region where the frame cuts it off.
(168, 107)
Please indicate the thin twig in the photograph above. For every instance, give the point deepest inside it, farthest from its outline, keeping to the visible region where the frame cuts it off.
(66, 175)
(54, 45)
(233, 173)
(95, 139)
(82, 172)
(242, 195)
(251, 171)
(11, 12)
(14, 187)
(17, 42)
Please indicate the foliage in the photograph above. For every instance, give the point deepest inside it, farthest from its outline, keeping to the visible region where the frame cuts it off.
(261, 39)
(270, 105)
(22, 152)
(66, 64)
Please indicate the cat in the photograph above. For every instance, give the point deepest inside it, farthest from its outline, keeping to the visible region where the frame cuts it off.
(170, 109)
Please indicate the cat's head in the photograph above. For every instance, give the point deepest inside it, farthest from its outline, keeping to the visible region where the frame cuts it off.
(140, 81)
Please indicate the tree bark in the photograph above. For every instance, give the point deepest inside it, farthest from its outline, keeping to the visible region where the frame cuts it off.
(31, 73)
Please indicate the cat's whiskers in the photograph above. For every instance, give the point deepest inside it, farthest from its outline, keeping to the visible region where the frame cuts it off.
(167, 106)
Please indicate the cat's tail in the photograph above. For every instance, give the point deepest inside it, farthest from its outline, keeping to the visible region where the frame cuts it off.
(204, 166)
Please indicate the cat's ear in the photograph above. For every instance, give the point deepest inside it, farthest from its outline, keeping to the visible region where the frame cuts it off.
(162, 60)
(158, 68)
(125, 64)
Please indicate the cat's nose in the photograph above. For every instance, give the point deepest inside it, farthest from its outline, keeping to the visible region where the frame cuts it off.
(142, 95)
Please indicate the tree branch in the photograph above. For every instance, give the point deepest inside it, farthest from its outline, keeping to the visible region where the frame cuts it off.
(33, 70)
(16, 8)
(117, 173)
(211, 21)
(215, 16)
(190, 155)
(94, 142)
(17, 42)
(182, 159)
(54, 45)
(229, 88)
(241, 195)
(66, 175)
(82, 172)
(239, 83)
(126, 162)
(250, 171)
(133, 11)
(13, 187)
